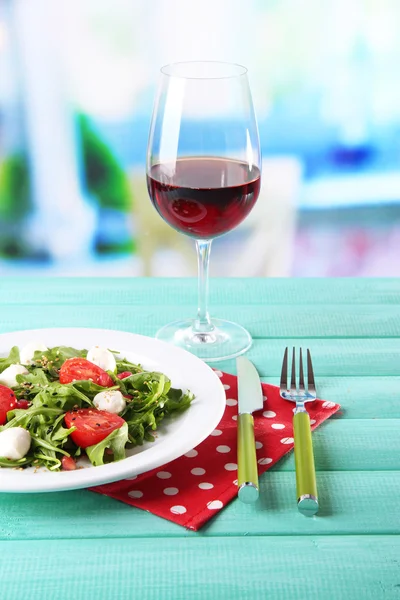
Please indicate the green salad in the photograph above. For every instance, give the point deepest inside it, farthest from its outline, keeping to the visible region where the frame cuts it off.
(59, 403)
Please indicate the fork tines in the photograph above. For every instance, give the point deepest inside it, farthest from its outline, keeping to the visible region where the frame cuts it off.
(284, 374)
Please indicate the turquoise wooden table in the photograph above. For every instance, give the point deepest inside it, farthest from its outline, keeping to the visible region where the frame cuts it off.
(80, 545)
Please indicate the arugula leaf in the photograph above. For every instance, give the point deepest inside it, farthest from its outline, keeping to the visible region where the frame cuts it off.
(177, 401)
(59, 433)
(124, 365)
(30, 384)
(12, 359)
(139, 427)
(36, 377)
(47, 458)
(59, 395)
(141, 381)
(37, 441)
(90, 389)
(15, 464)
(116, 441)
(119, 384)
(20, 417)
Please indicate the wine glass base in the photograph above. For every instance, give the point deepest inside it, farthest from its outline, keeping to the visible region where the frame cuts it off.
(226, 340)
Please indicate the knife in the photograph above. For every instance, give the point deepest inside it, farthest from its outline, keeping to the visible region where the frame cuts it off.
(250, 399)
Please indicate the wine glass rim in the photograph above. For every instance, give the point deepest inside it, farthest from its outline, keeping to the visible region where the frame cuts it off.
(172, 69)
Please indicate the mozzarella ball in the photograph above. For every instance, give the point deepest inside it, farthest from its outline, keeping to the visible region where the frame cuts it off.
(8, 376)
(102, 357)
(112, 401)
(14, 443)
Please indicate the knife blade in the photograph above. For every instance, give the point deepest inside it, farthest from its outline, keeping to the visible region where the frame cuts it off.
(250, 399)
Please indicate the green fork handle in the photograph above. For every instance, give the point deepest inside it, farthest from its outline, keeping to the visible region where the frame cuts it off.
(306, 484)
(247, 460)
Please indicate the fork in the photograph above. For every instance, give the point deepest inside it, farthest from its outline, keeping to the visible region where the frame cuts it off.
(306, 485)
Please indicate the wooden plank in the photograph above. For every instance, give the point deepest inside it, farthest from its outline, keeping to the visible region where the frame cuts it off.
(291, 568)
(360, 397)
(351, 503)
(331, 357)
(228, 291)
(280, 322)
(353, 445)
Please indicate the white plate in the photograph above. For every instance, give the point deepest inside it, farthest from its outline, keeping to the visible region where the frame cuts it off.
(179, 435)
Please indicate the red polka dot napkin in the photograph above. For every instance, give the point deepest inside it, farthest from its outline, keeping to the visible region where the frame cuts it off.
(193, 488)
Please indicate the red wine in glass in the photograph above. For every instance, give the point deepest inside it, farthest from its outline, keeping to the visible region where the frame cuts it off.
(204, 197)
(204, 192)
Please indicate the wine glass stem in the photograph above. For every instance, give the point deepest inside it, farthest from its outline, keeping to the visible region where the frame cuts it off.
(202, 323)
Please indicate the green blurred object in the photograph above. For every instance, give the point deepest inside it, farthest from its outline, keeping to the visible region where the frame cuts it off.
(15, 204)
(126, 246)
(105, 178)
(15, 201)
(109, 185)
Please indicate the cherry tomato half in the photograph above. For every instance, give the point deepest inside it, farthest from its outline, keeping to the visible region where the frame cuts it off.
(92, 425)
(78, 369)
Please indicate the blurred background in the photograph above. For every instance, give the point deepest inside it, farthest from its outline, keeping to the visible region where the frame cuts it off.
(77, 83)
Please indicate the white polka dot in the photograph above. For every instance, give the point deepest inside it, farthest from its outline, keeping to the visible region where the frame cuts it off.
(234, 418)
(328, 404)
(171, 491)
(216, 432)
(178, 509)
(135, 494)
(312, 422)
(235, 482)
(264, 461)
(198, 471)
(287, 440)
(230, 466)
(214, 505)
(259, 445)
(164, 475)
(131, 478)
(226, 386)
(223, 449)
(231, 402)
(277, 426)
(205, 485)
(191, 453)
(219, 373)
(269, 414)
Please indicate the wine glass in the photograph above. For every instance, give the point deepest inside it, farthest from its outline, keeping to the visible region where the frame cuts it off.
(203, 177)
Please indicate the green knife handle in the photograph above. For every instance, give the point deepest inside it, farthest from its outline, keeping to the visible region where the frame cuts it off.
(307, 497)
(247, 459)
